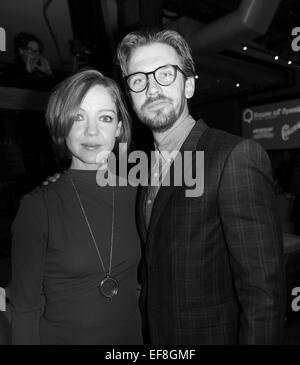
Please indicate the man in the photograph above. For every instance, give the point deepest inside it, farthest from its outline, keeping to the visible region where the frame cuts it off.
(212, 269)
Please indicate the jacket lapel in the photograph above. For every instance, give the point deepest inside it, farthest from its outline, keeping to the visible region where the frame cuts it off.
(165, 193)
(140, 218)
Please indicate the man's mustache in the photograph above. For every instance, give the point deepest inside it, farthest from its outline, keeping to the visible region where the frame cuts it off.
(156, 98)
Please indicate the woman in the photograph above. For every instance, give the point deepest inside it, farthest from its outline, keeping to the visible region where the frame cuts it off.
(75, 248)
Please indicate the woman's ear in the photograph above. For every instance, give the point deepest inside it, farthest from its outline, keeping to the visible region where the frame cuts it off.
(189, 87)
(119, 128)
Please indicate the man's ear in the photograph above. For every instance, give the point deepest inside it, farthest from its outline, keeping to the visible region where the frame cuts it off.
(189, 87)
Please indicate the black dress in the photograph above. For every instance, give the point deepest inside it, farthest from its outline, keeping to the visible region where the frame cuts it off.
(56, 270)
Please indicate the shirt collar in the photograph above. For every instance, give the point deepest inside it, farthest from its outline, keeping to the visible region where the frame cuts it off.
(173, 140)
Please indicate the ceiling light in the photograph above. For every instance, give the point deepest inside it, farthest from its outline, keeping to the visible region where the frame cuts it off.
(196, 77)
(276, 58)
(290, 62)
(245, 48)
(237, 84)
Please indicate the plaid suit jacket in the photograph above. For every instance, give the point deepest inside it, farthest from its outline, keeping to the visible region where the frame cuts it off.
(212, 268)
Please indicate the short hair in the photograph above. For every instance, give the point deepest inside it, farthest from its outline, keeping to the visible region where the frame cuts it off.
(65, 101)
(23, 38)
(172, 38)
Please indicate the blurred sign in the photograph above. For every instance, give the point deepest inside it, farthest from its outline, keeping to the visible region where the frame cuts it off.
(274, 126)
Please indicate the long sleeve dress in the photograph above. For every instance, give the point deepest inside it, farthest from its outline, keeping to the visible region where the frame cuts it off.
(56, 270)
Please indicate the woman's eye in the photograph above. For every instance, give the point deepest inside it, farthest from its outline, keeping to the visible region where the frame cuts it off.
(78, 118)
(106, 119)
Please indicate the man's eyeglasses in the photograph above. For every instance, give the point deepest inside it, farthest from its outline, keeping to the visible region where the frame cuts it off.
(164, 76)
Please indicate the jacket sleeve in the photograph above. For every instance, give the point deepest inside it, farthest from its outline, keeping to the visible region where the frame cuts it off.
(29, 243)
(253, 235)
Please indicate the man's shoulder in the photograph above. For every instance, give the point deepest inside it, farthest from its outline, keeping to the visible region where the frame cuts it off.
(218, 141)
(220, 144)
(223, 137)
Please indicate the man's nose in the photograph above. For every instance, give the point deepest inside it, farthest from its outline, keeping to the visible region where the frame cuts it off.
(153, 88)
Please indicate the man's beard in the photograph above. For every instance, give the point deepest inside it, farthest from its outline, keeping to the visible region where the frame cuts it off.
(160, 121)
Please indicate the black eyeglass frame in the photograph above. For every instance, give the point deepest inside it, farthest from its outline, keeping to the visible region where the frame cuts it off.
(176, 68)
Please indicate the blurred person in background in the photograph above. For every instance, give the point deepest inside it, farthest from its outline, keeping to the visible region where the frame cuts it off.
(31, 70)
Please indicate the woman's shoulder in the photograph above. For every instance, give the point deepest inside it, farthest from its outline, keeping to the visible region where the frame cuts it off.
(41, 194)
(33, 202)
(32, 211)
(36, 204)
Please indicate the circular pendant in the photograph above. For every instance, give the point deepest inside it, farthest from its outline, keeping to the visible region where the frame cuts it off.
(109, 287)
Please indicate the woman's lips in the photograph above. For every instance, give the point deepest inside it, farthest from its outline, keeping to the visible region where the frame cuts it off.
(90, 147)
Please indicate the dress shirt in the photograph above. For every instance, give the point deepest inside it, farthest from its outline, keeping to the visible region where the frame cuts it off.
(166, 149)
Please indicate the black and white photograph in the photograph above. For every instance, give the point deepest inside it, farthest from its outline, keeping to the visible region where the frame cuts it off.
(150, 175)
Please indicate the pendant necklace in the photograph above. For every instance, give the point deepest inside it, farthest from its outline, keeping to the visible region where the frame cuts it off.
(109, 286)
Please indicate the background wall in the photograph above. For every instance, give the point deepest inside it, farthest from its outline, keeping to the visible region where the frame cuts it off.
(225, 115)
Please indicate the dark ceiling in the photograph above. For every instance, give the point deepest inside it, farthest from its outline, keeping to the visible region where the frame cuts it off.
(203, 10)
(217, 31)
(229, 70)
